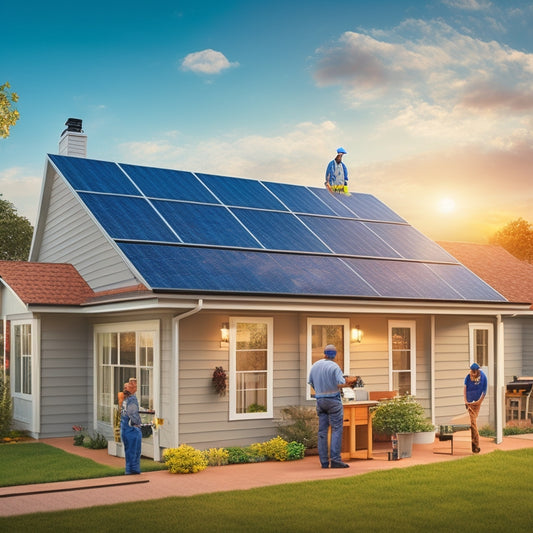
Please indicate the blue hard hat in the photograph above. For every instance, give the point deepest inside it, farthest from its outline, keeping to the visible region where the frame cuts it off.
(474, 366)
(341, 150)
(330, 351)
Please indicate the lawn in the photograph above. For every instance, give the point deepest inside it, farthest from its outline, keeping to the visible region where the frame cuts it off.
(486, 493)
(27, 463)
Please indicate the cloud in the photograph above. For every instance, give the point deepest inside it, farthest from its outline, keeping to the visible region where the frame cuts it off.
(22, 189)
(207, 62)
(468, 5)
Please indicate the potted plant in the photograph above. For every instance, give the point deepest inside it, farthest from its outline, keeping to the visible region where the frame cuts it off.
(402, 417)
(425, 433)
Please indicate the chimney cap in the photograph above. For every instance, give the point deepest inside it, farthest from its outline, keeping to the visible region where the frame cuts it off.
(73, 124)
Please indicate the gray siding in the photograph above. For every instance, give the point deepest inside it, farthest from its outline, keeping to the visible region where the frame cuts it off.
(66, 375)
(527, 325)
(71, 236)
(514, 348)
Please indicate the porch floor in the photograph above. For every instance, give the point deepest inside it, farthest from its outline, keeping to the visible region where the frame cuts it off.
(154, 485)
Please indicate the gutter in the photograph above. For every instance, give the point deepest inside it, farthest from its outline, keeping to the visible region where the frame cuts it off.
(175, 364)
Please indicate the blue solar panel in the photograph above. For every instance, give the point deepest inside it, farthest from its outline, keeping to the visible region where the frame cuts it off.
(169, 184)
(97, 176)
(222, 270)
(400, 279)
(466, 283)
(300, 199)
(369, 207)
(280, 231)
(240, 192)
(126, 217)
(348, 237)
(205, 224)
(336, 202)
(410, 243)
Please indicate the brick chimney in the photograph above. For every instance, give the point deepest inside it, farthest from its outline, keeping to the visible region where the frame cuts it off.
(73, 141)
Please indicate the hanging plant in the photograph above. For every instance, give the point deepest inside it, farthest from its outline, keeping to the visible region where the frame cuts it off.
(219, 381)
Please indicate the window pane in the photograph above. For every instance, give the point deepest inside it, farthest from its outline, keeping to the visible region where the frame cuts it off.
(322, 335)
(401, 338)
(127, 348)
(401, 382)
(251, 336)
(401, 360)
(251, 360)
(146, 349)
(26, 375)
(105, 399)
(251, 392)
(481, 354)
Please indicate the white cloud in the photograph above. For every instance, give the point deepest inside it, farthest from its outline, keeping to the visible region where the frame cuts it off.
(468, 5)
(207, 62)
(22, 189)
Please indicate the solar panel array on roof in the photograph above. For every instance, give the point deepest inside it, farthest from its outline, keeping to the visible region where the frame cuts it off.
(186, 231)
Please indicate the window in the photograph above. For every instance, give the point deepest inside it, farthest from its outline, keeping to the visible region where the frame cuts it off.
(22, 353)
(402, 356)
(124, 351)
(323, 331)
(251, 360)
(481, 346)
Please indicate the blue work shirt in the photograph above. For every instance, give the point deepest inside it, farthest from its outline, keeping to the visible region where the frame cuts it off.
(475, 389)
(331, 176)
(325, 376)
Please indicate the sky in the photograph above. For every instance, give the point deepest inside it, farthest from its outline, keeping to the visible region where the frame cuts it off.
(432, 99)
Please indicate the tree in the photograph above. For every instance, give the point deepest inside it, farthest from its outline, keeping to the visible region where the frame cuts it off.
(8, 115)
(15, 233)
(517, 238)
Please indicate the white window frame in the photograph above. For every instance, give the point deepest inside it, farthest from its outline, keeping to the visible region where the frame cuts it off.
(321, 321)
(472, 328)
(269, 413)
(25, 357)
(411, 324)
(152, 326)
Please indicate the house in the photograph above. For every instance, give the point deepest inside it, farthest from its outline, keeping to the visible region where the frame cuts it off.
(514, 280)
(166, 275)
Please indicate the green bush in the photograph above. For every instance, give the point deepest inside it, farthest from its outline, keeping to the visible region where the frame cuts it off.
(295, 451)
(216, 456)
(95, 442)
(398, 415)
(6, 407)
(249, 454)
(275, 448)
(299, 424)
(184, 460)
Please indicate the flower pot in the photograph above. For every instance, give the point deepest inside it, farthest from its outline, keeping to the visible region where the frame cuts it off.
(424, 437)
(405, 445)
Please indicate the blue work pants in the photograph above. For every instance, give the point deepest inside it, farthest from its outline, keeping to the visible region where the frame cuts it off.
(132, 440)
(330, 413)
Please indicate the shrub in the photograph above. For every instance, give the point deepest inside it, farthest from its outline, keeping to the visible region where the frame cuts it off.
(95, 442)
(6, 407)
(295, 451)
(299, 424)
(250, 454)
(275, 448)
(216, 456)
(184, 460)
(398, 415)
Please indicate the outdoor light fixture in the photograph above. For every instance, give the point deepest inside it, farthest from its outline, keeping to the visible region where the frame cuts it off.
(357, 334)
(224, 335)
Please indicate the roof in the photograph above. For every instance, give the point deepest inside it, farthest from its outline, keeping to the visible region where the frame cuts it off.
(45, 283)
(199, 233)
(508, 275)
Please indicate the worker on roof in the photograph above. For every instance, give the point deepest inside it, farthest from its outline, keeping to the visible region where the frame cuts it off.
(337, 174)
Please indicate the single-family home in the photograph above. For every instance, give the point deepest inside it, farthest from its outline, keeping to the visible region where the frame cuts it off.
(166, 275)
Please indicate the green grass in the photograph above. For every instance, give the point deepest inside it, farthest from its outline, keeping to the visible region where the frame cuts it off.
(484, 493)
(27, 463)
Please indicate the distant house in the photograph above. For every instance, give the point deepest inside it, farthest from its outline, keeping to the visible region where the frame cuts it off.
(165, 275)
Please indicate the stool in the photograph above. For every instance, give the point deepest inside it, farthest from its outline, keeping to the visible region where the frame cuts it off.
(514, 406)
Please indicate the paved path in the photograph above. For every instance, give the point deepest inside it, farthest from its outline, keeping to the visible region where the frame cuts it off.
(154, 485)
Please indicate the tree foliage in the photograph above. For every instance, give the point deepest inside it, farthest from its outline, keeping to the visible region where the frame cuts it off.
(8, 114)
(517, 238)
(15, 233)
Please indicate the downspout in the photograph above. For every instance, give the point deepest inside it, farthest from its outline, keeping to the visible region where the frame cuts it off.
(175, 363)
(499, 386)
(432, 369)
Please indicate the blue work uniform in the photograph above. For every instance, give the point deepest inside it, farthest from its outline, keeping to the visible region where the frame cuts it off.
(130, 433)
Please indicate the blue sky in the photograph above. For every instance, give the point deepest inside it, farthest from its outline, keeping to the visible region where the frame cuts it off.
(433, 100)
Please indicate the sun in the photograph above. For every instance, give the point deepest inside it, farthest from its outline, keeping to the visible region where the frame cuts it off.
(447, 205)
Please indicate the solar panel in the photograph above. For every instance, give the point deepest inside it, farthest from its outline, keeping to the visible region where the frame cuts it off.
(169, 184)
(350, 237)
(240, 192)
(205, 224)
(280, 231)
(125, 217)
(97, 176)
(188, 231)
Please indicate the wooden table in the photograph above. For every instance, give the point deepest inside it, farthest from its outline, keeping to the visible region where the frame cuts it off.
(357, 430)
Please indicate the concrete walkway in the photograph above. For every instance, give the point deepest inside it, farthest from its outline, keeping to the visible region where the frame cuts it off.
(155, 485)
